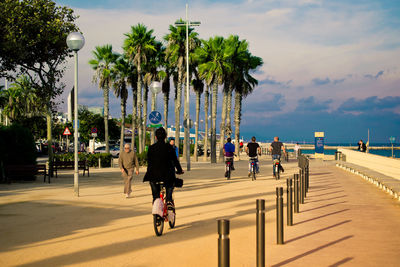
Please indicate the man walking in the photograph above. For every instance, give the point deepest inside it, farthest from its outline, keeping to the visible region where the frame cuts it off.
(127, 162)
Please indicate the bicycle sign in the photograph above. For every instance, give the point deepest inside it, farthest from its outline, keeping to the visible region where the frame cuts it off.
(155, 117)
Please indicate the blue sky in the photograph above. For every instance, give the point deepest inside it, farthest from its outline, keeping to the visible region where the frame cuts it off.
(329, 66)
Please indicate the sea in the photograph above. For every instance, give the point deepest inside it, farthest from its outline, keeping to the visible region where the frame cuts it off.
(380, 152)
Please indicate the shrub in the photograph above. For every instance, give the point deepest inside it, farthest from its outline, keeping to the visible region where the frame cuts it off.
(92, 159)
(17, 147)
(142, 158)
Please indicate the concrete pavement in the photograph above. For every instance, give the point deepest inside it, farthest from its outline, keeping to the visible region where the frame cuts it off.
(345, 221)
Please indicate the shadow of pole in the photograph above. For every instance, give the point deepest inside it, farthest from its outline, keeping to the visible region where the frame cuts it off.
(312, 251)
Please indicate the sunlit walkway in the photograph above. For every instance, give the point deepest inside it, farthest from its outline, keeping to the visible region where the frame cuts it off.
(344, 221)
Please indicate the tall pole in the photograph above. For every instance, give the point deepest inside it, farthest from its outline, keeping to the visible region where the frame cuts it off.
(76, 174)
(187, 128)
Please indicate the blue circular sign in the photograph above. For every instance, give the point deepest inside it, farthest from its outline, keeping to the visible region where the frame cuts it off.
(155, 117)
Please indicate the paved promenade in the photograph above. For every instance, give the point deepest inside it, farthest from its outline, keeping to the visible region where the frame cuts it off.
(345, 221)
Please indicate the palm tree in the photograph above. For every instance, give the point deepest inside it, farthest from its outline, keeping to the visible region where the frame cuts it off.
(175, 55)
(198, 87)
(244, 85)
(102, 63)
(120, 74)
(237, 50)
(215, 63)
(137, 46)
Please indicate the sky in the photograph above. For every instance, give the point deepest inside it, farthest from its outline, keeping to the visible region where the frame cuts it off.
(329, 65)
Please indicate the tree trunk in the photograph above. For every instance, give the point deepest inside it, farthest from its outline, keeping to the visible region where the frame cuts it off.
(206, 104)
(228, 126)
(196, 138)
(185, 115)
(139, 107)
(222, 127)
(166, 105)
(145, 102)
(123, 115)
(50, 141)
(214, 123)
(178, 101)
(134, 120)
(238, 115)
(106, 103)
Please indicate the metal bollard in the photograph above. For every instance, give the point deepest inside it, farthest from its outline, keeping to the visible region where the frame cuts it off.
(260, 232)
(279, 215)
(289, 192)
(301, 198)
(304, 184)
(99, 163)
(296, 193)
(307, 177)
(223, 243)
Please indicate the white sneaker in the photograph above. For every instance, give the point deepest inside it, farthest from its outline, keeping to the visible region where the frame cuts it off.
(127, 195)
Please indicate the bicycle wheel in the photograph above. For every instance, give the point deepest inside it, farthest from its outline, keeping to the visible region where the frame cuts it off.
(228, 176)
(278, 175)
(171, 219)
(158, 223)
(254, 173)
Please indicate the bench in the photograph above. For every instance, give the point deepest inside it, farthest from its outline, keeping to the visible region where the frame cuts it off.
(384, 182)
(21, 171)
(70, 165)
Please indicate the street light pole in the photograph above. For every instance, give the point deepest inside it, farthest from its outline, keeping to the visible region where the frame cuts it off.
(186, 118)
(75, 42)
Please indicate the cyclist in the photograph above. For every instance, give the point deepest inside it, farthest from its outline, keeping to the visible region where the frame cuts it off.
(275, 149)
(252, 150)
(229, 152)
(161, 164)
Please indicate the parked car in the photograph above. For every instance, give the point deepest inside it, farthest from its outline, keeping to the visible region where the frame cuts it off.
(114, 150)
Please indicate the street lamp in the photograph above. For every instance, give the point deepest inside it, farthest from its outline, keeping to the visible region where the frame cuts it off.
(75, 41)
(155, 88)
(187, 23)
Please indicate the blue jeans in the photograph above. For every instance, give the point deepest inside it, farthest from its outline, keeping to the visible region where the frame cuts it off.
(274, 157)
(257, 167)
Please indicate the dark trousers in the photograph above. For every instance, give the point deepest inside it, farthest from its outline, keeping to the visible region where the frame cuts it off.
(156, 188)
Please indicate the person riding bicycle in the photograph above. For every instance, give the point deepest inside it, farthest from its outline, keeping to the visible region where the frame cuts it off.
(229, 152)
(275, 149)
(252, 150)
(161, 165)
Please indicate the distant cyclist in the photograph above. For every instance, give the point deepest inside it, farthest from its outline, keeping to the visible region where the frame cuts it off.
(229, 150)
(253, 149)
(275, 149)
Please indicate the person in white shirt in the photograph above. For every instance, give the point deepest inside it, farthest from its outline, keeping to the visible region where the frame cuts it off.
(296, 149)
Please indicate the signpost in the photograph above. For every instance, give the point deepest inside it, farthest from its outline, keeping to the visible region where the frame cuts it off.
(67, 131)
(319, 144)
(155, 117)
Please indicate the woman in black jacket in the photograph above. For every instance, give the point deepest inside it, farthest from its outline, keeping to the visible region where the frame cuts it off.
(161, 164)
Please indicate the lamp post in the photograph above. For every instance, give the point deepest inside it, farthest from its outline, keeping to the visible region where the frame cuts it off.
(187, 23)
(155, 88)
(75, 41)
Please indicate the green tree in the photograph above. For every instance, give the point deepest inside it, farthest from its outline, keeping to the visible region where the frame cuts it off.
(213, 64)
(244, 85)
(198, 87)
(120, 74)
(139, 43)
(102, 63)
(32, 42)
(176, 56)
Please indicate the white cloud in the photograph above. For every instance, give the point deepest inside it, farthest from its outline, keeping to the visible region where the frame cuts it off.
(297, 43)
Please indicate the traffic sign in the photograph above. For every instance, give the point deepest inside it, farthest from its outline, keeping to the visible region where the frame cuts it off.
(154, 125)
(94, 130)
(155, 117)
(67, 131)
(392, 139)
